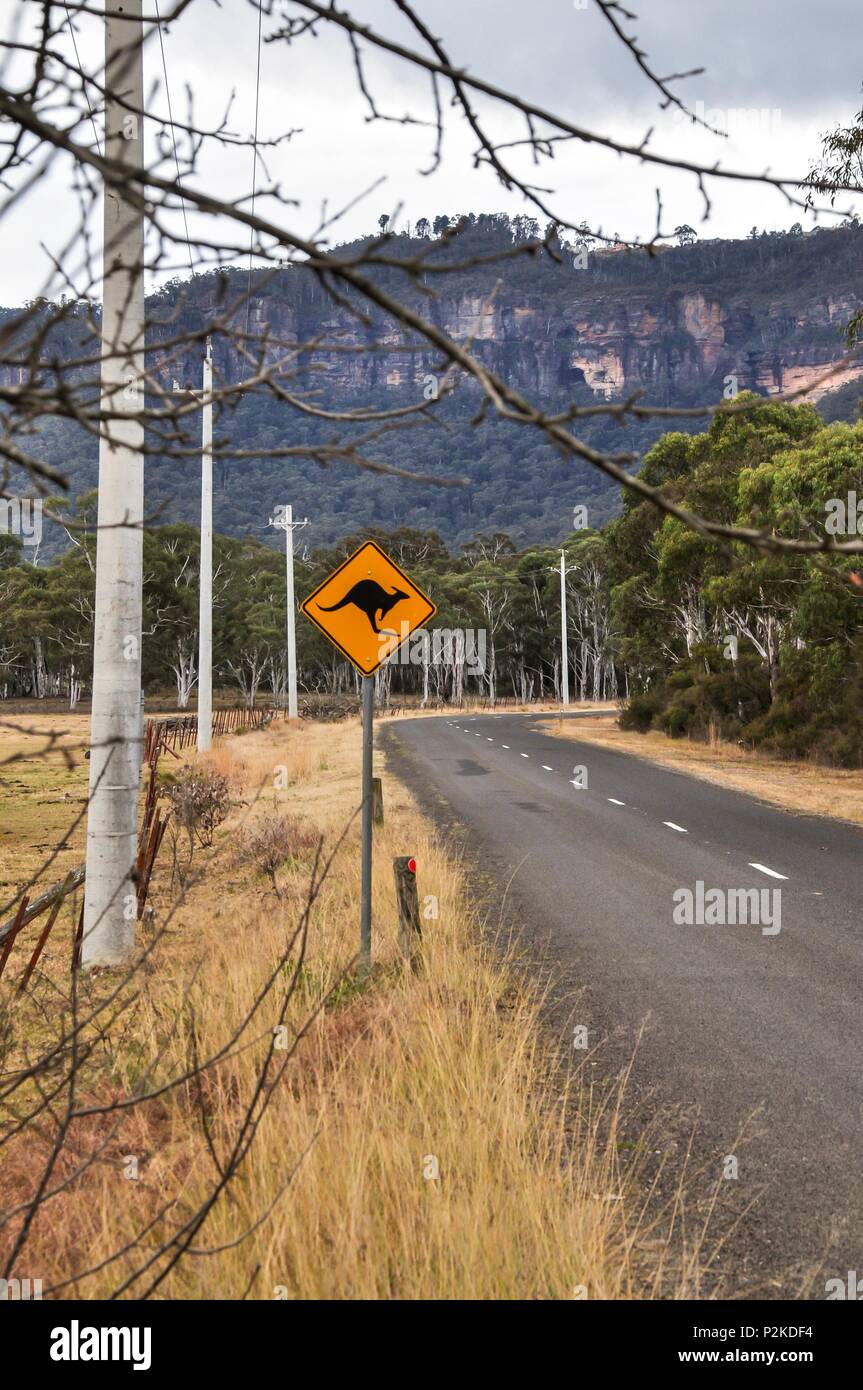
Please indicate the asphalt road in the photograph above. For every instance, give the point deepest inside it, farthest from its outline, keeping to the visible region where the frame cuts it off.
(748, 1028)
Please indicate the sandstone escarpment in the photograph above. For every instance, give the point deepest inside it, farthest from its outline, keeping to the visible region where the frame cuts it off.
(770, 323)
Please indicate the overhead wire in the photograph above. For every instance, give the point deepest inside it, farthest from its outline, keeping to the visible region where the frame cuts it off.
(260, 9)
(174, 137)
(83, 79)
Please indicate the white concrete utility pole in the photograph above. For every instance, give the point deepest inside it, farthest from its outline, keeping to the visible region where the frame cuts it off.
(110, 899)
(205, 562)
(285, 521)
(205, 579)
(564, 641)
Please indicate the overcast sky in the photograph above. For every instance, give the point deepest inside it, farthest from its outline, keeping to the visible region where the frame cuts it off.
(791, 65)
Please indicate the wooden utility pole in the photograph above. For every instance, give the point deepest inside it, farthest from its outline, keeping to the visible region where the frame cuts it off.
(110, 907)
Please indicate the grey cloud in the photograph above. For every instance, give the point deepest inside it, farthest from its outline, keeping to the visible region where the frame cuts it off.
(794, 54)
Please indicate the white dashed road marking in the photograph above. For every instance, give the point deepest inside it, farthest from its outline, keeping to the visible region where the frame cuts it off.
(681, 828)
(525, 755)
(614, 801)
(546, 768)
(506, 746)
(764, 870)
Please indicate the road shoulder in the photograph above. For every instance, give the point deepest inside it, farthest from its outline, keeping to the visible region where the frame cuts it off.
(801, 788)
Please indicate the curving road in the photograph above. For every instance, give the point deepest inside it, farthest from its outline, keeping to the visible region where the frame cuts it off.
(748, 1027)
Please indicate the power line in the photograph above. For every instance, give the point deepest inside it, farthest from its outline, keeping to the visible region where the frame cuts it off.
(173, 135)
(83, 81)
(254, 163)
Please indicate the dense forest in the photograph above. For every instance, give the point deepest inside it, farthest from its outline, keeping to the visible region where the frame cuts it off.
(672, 324)
(697, 637)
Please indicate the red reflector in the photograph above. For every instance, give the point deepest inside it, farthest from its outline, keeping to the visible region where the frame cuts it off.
(412, 865)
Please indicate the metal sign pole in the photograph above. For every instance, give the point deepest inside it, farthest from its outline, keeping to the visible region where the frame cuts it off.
(368, 813)
(349, 608)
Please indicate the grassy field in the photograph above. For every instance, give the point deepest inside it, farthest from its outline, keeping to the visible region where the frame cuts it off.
(43, 799)
(412, 1133)
(808, 788)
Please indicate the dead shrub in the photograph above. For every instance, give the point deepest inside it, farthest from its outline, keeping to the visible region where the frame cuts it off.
(200, 801)
(275, 841)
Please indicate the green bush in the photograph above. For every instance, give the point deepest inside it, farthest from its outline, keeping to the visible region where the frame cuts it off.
(676, 720)
(639, 713)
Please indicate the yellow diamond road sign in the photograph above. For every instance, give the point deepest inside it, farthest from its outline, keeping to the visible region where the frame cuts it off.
(368, 607)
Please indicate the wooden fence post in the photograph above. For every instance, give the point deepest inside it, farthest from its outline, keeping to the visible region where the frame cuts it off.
(378, 795)
(46, 931)
(407, 898)
(79, 937)
(14, 927)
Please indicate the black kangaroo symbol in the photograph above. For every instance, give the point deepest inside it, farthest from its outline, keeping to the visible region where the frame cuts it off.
(371, 599)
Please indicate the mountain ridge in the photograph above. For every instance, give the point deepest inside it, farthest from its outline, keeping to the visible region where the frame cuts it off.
(683, 326)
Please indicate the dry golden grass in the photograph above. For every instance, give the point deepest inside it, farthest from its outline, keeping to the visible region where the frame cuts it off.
(438, 1148)
(808, 788)
(43, 790)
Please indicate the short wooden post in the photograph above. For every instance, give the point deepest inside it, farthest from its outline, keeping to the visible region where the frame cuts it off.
(378, 793)
(14, 927)
(410, 934)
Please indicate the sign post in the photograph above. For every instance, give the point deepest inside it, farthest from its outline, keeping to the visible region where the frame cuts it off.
(351, 608)
(367, 815)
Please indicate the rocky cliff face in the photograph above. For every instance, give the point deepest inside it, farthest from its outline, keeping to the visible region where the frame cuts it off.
(773, 323)
(769, 313)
